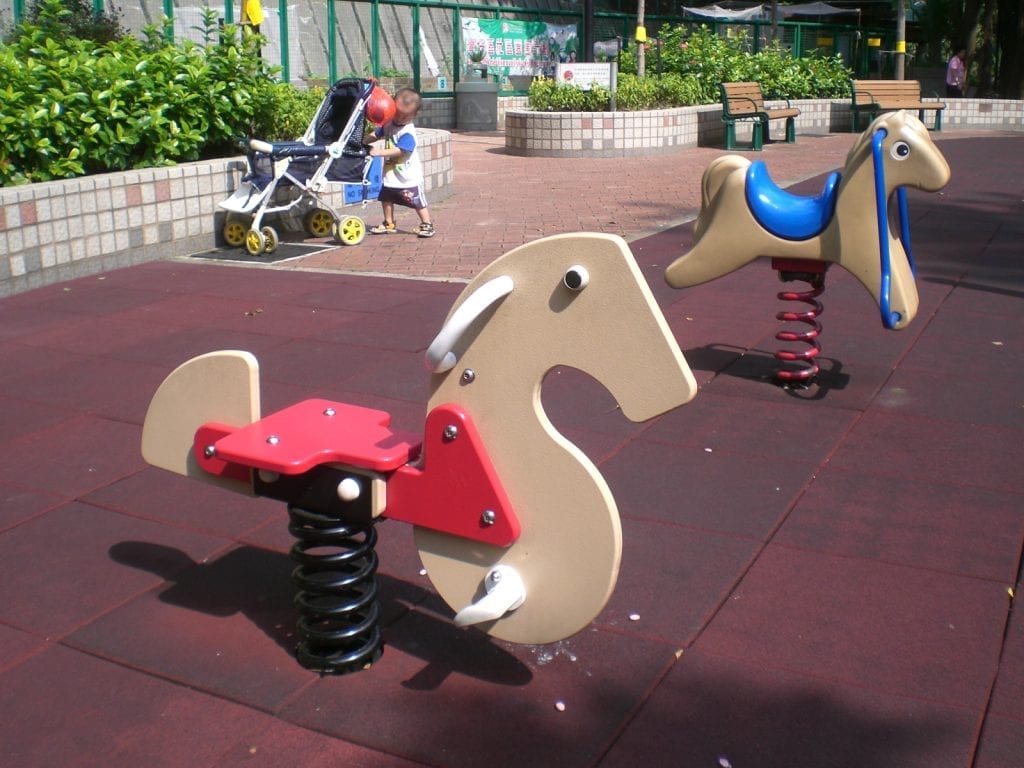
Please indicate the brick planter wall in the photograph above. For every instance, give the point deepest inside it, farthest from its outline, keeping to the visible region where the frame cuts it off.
(57, 230)
(625, 134)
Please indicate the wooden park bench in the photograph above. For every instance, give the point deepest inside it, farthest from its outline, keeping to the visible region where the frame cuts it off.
(876, 96)
(744, 101)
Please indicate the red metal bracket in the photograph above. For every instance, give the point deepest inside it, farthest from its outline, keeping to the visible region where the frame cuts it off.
(456, 489)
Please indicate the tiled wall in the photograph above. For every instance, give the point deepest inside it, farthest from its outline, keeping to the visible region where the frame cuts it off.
(623, 134)
(58, 230)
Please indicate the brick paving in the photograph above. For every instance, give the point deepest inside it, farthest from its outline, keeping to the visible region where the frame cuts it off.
(500, 201)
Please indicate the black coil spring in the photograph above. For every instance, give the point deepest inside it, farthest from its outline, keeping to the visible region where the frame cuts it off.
(338, 624)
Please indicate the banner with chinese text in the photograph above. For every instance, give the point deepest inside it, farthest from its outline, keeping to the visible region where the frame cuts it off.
(518, 47)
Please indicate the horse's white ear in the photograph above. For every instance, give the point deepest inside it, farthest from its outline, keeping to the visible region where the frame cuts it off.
(439, 356)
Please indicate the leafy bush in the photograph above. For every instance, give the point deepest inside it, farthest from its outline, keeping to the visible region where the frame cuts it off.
(77, 18)
(693, 64)
(710, 59)
(548, 95)
(73, 106)
(289, 113)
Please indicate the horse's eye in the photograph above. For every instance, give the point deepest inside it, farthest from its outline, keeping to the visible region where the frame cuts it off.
(576, 278)
(900, 150)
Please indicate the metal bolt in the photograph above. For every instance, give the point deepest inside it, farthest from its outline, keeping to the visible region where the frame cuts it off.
(468, 376)
(494, 576)
(273, 440)
(329, 412)
(451, 432)
(488, 517)
(209, 451)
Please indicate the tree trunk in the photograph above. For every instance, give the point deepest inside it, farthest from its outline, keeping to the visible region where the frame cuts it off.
(1009, 34)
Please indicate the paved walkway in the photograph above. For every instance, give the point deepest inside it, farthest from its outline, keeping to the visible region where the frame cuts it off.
(500, 201)
(811, 579)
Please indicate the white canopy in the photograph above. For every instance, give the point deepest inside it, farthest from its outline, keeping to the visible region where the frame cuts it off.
(764, 12)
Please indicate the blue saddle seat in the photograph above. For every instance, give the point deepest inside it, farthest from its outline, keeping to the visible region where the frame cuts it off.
(785, 215)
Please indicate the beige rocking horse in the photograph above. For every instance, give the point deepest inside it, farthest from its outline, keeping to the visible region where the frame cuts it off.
(516, 527)
(744, 215)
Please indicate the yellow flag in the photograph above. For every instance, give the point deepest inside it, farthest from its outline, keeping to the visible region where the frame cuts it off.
(252, 12)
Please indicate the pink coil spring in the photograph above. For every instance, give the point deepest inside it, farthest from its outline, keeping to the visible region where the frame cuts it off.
(803, 366)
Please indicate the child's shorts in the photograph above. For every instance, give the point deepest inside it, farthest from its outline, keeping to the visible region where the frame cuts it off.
(410, 197)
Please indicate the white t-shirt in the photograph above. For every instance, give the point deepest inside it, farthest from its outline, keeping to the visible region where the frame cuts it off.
(403, 171)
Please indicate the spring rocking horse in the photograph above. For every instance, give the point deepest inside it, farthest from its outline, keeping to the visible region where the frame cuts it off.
(516, 527)
(745, 215)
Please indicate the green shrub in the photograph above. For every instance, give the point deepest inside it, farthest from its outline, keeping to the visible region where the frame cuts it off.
(73, 106)
(548, 95)
(289, 114)
(709, 59)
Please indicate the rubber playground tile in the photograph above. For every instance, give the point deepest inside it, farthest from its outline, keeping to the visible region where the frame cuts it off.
(103, 336)
(67, 708)
(172, 348)
(279, 744)
(23, 417)
(573, 399)
(73, 544)
(18, 505)
(929, 395)
(1002, 743)
(315, 363)
(16, 646)
(73, 457)
(182, 502)
(222, 624)
(388, 373)
(906, 631)
(956, 529)
(258, 315)
(98, 297)
(789, 429)
(712, 711)
(1008, 696)
(18, 320)
(942, 451)
(687, 486)
(672, 580)
(379, 331)
(114, 389)
(367, 294)
(452, 697)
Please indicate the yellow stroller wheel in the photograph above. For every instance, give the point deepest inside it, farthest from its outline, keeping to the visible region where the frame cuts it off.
(255, 242)
(234, 232)
(271, 240)
(318, 222)
(350, 230)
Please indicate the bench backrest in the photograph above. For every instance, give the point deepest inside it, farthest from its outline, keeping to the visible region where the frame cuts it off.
(885, 91)
(741, 98)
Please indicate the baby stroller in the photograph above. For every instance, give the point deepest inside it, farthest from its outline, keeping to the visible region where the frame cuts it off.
(298, 176)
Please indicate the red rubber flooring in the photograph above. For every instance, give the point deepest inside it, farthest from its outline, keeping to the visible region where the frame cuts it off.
(817, 578)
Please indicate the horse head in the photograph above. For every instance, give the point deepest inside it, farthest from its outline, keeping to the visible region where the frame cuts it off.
(577, 300)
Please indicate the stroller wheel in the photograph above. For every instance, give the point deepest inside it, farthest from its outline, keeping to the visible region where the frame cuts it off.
(255, 242)
(272, 240)
(350, 230)
(318, 222)
(234, 232)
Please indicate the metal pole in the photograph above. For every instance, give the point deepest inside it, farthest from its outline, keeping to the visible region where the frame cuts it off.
(901, 38)
(641, 38)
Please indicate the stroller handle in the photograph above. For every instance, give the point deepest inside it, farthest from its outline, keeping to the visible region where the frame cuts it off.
(288, 149)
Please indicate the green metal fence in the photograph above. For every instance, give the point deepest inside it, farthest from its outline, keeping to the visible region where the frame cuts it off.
(417, 43)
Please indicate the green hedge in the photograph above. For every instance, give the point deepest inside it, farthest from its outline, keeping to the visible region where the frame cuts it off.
(692, 66)
(75, 106)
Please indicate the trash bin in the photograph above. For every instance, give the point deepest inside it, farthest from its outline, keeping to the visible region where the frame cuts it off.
(476, 105)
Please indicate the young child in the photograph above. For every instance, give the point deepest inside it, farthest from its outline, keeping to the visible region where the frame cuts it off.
(395, 141)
